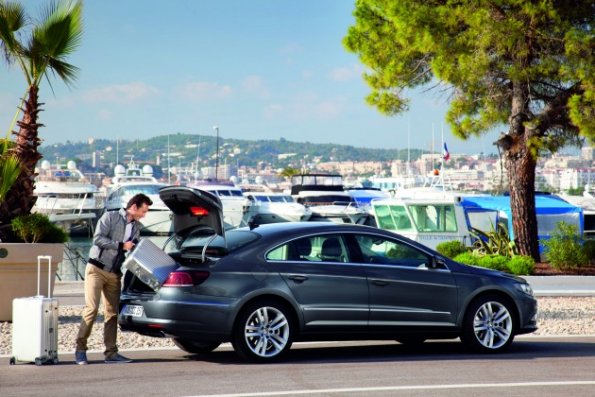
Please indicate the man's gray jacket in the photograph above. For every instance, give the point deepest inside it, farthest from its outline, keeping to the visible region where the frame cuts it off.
(107, 251)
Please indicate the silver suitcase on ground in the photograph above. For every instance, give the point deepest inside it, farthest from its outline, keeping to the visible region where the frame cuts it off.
(35, 325)
(150, 264)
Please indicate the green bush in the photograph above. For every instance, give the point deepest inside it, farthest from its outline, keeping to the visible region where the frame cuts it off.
(37, 228)
(589, 249)
(563, 249)
(467, 258)
(521, 265)
(496, 262)
(495, 242)
(451, 249)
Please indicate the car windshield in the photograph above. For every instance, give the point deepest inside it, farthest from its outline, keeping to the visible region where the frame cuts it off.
(195, 242)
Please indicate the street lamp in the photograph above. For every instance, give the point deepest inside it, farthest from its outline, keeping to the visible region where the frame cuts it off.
(216, 128)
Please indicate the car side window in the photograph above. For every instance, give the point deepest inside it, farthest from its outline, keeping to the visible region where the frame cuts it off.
(323, 248)
(381, 250)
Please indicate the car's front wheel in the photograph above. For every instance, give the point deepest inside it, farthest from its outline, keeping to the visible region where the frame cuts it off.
(195, 347)
(263, 331)
(489, 324)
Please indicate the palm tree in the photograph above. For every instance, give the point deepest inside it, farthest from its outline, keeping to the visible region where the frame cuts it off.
(37, 50)
(9, 168)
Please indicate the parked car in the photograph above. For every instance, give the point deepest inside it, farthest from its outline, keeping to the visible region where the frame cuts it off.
(263, 288)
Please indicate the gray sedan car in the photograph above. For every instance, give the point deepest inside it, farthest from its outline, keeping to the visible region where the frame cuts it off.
(264, 287)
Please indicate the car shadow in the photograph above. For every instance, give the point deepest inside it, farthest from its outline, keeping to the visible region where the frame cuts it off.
(395, 352)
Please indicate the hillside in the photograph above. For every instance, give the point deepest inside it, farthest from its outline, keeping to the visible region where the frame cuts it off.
(185, 149)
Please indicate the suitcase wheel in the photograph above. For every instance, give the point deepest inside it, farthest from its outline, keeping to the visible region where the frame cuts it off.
(38, 361)
(12, 361)
(55, 361)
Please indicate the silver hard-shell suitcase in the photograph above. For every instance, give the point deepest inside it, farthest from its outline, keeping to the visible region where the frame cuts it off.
(150, 264)
(35, 325)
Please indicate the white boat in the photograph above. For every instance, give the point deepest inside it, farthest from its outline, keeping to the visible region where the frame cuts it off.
(587, 203)
(430, 218)
(327, 199)
(157, 221)
(67, 197)
(267, 207)
(132, 173)
(231, 197)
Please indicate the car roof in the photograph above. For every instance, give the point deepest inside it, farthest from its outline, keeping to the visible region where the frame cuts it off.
(292, 229)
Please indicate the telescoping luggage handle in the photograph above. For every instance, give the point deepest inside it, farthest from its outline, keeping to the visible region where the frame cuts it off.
(49, 259)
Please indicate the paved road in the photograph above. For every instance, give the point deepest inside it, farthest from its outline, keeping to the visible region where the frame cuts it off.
(535, 366)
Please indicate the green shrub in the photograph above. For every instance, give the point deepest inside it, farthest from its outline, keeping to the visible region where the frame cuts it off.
(37, 228)
(563, 249)
(495, 242)
(496, 262)
(467, 258)
(589, 250)
(521, 265)
(451, 249)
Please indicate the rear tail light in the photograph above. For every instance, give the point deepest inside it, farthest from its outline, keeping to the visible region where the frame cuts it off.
(185, 278)
(199, 211)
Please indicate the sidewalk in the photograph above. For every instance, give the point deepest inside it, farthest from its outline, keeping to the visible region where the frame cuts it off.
(72, 292)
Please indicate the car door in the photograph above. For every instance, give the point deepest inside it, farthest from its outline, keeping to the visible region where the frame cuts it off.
(331, 291)
(405, 291)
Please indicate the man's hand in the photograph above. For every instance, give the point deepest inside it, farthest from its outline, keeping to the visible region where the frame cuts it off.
(128, 245)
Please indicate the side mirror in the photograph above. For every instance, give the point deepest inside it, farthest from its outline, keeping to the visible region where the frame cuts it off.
(437, 263)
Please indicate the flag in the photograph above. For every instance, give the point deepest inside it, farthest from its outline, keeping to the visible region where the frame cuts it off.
(445, 154)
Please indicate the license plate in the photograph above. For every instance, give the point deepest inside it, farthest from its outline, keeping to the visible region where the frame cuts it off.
(133, 310)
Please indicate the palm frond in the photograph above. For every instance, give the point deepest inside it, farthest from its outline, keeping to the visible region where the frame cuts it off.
(58, 35)
(12, 19)
(10, 167)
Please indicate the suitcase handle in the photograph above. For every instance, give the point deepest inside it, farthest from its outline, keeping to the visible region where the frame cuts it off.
(49, 259)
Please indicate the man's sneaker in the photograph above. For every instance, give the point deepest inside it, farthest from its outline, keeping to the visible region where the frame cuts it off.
(117, 359)
(81, 357)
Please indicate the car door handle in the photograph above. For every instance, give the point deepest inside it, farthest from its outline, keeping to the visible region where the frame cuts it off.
(297, 278)
(380, 283)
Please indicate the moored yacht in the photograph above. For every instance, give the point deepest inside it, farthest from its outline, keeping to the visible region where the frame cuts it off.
(267, 207)
(132, 173)
(67, 197)
(158, 218)
(327, 199)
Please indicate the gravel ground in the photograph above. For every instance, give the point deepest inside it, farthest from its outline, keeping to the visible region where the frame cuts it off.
(557, 316)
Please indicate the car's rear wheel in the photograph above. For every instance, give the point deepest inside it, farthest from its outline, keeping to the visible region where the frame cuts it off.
(263, 331)
(489, 324)
(195, 347)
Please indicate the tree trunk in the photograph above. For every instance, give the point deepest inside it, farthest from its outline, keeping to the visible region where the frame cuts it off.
(520, 164)
(20, 199)
(521, 174)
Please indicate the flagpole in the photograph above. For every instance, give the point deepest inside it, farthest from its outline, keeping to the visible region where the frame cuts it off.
(443, 159)
(433, 151)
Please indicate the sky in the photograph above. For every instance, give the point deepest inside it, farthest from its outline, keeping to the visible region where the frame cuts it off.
(261, 69)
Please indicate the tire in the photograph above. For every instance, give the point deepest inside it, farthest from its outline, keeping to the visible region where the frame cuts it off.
(263, 331)
(195, 347)
(489, 325)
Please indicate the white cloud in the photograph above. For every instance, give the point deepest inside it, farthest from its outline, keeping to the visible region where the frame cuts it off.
(204, 91)
(255, 85)
(104, 115)
(122, 93)
(272, 110)
(328, 109)
(345, 73)
(306, 106)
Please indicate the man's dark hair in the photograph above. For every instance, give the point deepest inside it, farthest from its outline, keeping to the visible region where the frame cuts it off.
(139, 199)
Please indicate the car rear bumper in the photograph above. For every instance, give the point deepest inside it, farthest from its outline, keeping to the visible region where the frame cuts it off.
(204, 320)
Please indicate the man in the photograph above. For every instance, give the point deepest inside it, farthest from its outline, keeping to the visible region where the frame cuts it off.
(116, 233)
